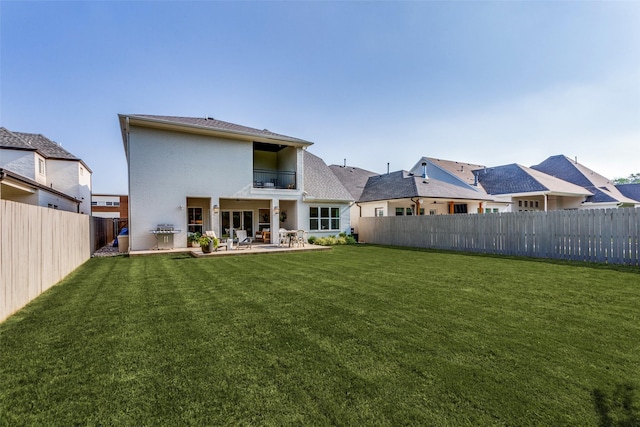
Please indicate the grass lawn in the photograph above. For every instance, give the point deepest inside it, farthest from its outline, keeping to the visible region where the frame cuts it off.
(359, 335)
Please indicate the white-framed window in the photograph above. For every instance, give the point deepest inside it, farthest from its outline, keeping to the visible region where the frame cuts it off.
(399, 211)
(324, 218)
(379, 211)
(41, 169)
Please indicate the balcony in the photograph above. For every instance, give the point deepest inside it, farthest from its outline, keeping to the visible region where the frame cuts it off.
(263, 178)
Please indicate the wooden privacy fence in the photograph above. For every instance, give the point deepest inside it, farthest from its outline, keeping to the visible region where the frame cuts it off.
(595, 235)
(38, 248)
(104, 230)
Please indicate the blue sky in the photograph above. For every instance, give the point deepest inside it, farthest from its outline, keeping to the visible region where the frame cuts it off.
(489, 83)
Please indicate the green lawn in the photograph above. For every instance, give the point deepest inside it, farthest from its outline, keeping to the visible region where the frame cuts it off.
(359, 335)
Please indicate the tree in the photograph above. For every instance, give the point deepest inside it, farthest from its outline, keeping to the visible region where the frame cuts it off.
(634, 178)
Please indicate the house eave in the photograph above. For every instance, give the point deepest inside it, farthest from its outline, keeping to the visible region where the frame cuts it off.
(160, 124)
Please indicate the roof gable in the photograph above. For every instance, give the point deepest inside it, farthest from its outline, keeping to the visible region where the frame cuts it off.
(453, 172)
(354, 179)
(320, 183)
(562, 167)
(569, 170)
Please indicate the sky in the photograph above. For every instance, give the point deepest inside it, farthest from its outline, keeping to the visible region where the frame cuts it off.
(368, 82)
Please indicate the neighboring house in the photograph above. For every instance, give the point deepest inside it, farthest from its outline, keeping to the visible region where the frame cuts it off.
(460, 174)
(604, 193)
(631, 191)
(109, 205)
(204, 174)
(404, 193)
(354, 180)
(37, 171)
(526, 189)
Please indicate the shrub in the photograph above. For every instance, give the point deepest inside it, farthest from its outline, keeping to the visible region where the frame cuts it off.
(341, 239)
(312, 239)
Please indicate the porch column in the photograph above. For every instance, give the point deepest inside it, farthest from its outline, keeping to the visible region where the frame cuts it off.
(546, 197)
(215, 216)
(274, 213)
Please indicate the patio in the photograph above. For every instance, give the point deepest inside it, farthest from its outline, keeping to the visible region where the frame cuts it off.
(222, 251)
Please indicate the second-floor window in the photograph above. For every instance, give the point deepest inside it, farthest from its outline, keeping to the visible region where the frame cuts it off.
(41, 166)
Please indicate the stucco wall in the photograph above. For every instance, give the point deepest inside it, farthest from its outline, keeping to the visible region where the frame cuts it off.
(18, 161)
(167, 167)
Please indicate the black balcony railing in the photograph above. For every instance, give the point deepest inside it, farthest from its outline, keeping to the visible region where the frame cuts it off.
(263, 178)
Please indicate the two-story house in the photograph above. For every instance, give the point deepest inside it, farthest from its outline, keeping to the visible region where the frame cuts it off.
(37, 171)
(201, 174)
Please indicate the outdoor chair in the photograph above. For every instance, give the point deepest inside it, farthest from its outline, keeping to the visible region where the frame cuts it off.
(283, 238)
(243, 240)
(301, 237)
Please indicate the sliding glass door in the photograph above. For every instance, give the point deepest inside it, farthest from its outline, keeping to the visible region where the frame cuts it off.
(239, 220)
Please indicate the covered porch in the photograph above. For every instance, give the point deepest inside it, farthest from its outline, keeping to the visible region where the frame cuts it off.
(260, 218)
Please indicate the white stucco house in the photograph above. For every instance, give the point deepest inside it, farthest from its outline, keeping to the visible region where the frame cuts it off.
(201, 174)
(37, 171)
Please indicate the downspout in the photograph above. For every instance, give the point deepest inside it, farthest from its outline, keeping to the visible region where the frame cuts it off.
(128, 183)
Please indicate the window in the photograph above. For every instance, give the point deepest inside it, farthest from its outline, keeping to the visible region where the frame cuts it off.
(432, 211)
(409, 211)
(81, 171)
(94, 203)
(459, 208)
(399, 211)
(52, 206)
(116, 203)
(41, 166)
(324, 218)
(109, 203)
(379, 211)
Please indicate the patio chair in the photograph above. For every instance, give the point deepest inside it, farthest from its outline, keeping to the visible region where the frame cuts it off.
(301, 238)
(243, 239)
(283, 238)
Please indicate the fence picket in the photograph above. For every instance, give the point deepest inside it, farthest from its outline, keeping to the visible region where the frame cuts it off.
(594, 235)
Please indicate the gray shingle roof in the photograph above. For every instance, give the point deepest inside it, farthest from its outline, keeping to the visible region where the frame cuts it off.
(631, 191)
(320, 183)
(214, 124)
(354, 179)
(603, 190)
(35, 142)
(515, 179)
(403, 185)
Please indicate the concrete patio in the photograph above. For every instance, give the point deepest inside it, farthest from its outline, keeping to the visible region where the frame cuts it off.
(222, 250)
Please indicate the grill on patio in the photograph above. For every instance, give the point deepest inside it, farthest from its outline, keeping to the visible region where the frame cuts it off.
(164, 235)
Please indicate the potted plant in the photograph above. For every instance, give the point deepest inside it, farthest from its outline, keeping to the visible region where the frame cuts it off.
(194, 239)
(208, 244)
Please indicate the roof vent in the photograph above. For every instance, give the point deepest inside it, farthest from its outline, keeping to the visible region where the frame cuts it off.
(424, 170)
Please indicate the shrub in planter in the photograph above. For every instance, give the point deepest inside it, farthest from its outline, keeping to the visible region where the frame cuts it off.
(208, 244)
(194, 239)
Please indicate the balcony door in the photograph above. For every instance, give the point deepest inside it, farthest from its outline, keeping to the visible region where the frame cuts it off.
(239, 220)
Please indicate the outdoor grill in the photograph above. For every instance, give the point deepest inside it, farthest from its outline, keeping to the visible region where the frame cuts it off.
(164, 235)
